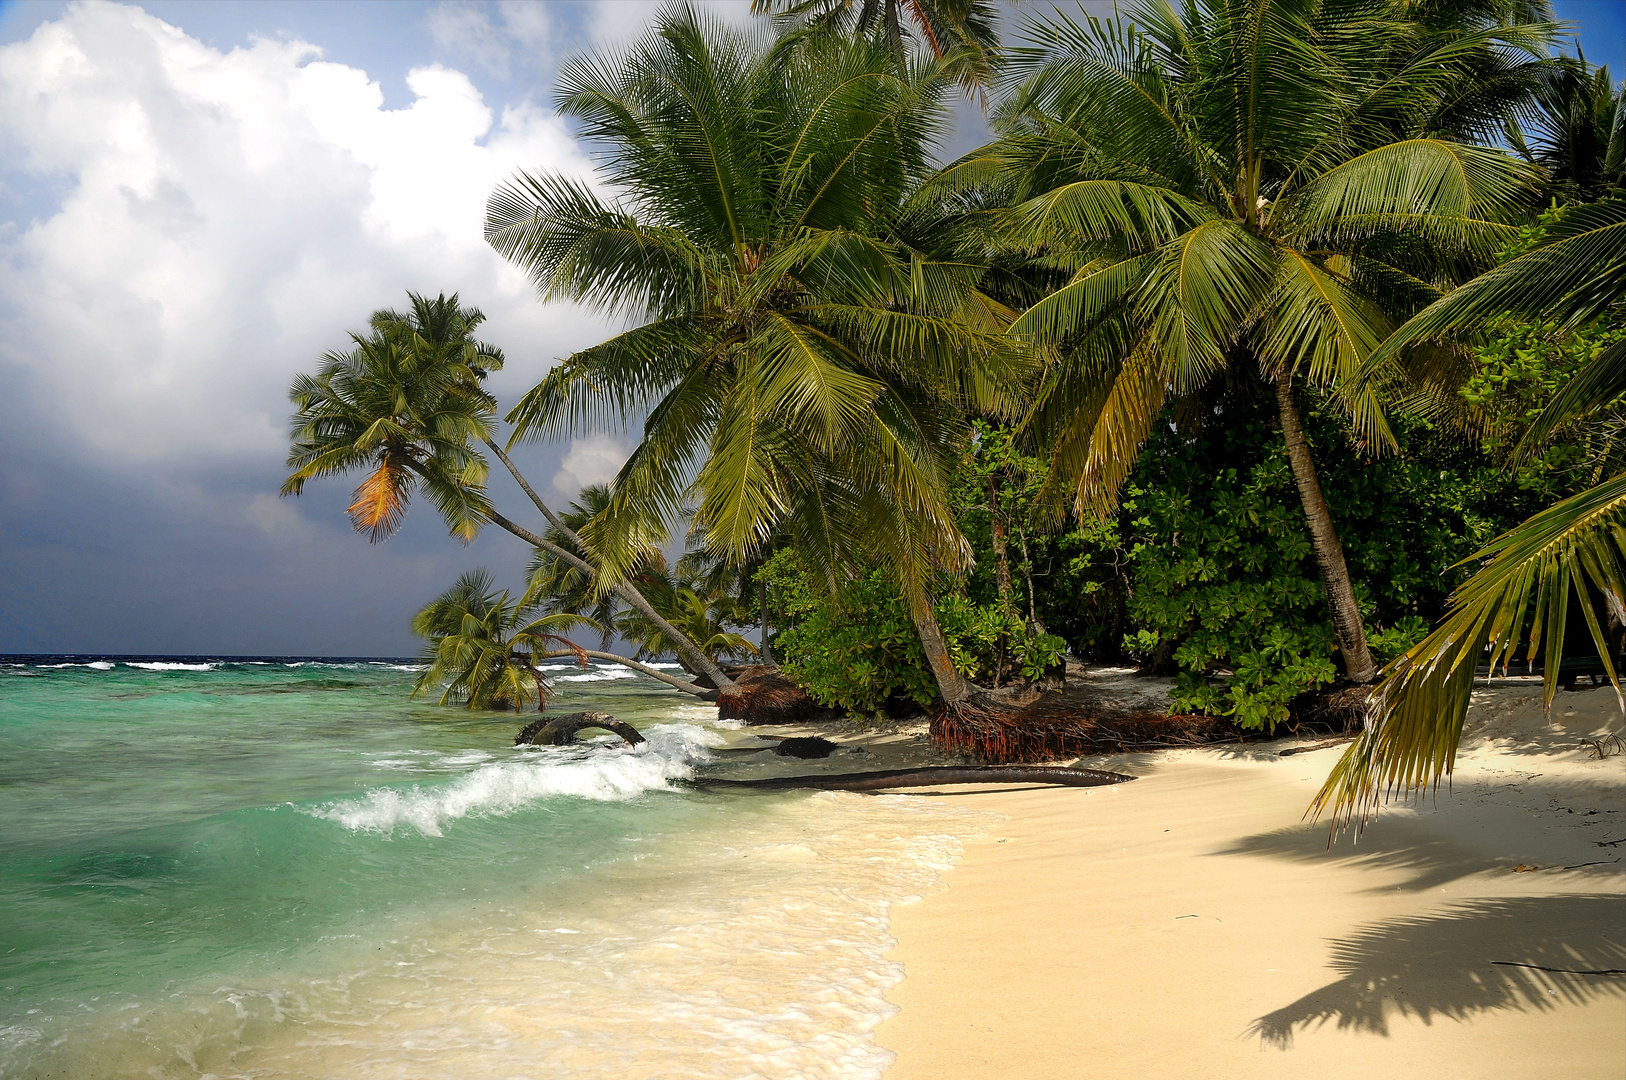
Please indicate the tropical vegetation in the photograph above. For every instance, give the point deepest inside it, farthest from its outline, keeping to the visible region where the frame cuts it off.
(1274, 345)
(483, 646)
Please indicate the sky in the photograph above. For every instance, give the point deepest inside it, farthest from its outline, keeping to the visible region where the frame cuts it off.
(197, 200)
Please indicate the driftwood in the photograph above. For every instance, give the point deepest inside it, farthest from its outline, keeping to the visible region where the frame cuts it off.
(928, 776)
(1291, 750)
(561, 730)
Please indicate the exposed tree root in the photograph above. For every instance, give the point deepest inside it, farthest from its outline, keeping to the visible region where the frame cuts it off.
(1051, 729)
(1342, 707)
(763, 695)
(928, 776)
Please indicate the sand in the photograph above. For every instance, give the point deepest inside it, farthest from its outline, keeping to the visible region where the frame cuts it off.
(1190, 925)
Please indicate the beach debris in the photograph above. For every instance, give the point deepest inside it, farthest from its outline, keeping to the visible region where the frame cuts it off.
(1604, 746)
(927, 776)
(1523, 869)
(806, 747)
(1559, 970)
(561, 730)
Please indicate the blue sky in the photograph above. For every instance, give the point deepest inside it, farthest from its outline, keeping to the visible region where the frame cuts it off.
(198, 199)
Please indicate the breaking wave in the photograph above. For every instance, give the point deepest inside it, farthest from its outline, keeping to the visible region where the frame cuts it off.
(601, 773)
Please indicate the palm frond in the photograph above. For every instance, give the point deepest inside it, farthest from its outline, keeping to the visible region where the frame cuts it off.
(1574, 549)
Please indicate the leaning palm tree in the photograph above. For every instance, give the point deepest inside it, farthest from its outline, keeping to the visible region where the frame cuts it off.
(688, 605)
(562, 586)
(406, 405)
(796, 363)
(1530, 575)
(403, 406)
(684, 599)
(1253, 189)
(484, 647)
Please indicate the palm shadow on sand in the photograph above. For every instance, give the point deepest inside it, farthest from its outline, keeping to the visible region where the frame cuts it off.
(1589, 813)
(1528, 954)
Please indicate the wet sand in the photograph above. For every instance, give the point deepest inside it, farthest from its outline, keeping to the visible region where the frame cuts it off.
(1190, 924)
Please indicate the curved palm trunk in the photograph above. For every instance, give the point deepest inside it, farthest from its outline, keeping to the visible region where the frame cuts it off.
(654, 673)
(692, 656)
(1002, 555)
(762, 600)
(1329, 553)
(950, 683)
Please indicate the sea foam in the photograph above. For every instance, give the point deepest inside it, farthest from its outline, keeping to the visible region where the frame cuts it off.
(599, 674)
(601, 773)
(160, 665)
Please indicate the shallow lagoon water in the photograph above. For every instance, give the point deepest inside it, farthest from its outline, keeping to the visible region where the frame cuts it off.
(288, 869)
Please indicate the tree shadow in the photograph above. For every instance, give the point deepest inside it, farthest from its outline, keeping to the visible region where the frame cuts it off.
(1416, 845)
(1526, 954)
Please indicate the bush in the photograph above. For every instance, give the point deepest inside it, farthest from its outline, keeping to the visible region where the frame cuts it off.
(1224, 586)
(857, 650)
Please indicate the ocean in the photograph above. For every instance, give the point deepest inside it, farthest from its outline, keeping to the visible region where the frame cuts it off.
(284, 867)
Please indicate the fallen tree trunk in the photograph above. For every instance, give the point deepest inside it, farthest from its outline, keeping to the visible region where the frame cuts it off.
(928, 776)
(561, 730)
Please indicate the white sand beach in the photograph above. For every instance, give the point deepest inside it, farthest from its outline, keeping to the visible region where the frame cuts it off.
(1189, 924)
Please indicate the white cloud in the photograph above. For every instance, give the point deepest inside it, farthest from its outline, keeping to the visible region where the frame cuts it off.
(620, 21)
(228, 216)
(591, 460)
(522, 35)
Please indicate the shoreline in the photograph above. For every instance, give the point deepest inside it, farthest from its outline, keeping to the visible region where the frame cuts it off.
(1191, 924)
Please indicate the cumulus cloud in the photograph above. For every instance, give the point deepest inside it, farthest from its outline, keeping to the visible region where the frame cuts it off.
(591, 460)
(227, 216)
(620, 21)
(499, 38)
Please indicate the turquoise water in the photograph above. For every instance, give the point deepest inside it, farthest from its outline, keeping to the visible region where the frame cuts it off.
(291, 869)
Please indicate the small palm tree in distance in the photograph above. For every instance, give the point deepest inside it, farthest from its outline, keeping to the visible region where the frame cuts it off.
(483, 646)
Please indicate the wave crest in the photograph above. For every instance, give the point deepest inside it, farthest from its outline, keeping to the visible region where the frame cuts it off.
(604, 774)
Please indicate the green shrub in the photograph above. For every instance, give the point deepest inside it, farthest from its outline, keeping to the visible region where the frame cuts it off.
(859, 650)
(1224, 586)
(853, 651)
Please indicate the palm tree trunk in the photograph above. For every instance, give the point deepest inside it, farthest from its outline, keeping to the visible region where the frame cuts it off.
(951, 685)
(1002, 554)
(762, 606)
(1329, 553)
(654, 673)
(691, 654)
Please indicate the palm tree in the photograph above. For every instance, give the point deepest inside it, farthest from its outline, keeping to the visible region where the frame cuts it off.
(1577, 132)
(969, 27)
(738, 582)
(685, 599)
(407, 404)
(404, 404)
(1529, 575)
(483, 646)
(562, 585)
(1252, 189)
(687, 604)
(796, 362)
